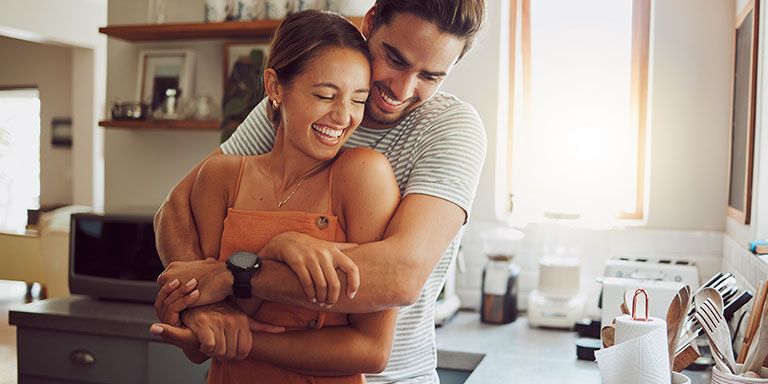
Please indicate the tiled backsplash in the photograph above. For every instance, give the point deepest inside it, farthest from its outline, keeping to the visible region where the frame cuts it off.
(746, 267)
(594, 246)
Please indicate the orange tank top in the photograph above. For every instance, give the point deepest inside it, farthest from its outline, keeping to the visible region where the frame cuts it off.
(249, 231)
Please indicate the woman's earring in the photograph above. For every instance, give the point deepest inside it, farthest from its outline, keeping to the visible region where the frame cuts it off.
(275, 105)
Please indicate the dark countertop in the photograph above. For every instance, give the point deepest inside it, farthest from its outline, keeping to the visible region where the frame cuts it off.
(506, 353)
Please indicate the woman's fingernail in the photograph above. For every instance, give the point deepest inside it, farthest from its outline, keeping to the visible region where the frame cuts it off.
(156, 329)
(195, 293)
(191, 283)
(313, 300)
(353, 294)
(174, 283)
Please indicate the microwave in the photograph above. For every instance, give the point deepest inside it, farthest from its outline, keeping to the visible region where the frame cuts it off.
(113, 256)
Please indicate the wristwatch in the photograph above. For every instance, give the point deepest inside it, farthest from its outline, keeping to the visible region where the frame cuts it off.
(243, 266)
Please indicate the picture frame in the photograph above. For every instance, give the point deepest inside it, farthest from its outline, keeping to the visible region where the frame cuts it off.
(243, 82)
(61, 132)
(162, 69)
(744, 101)
(241, 52)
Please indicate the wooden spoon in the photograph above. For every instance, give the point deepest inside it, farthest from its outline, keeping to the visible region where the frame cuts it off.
(758, 349)
(676, 316)
(607, 334)
(674, 312)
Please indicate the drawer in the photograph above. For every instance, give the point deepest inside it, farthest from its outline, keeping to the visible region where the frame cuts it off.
(81, 358)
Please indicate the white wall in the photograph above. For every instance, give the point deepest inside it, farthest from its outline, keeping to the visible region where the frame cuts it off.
(690, 77)
(737, 258)
(72, 23)
(142, 167)
(48, 67)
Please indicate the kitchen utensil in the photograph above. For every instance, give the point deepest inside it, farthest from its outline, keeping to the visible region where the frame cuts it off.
(607, 334)
(676, 315)
(686, 357)
(754, 320)
(688, 335)
(758, 348)
(709, 314)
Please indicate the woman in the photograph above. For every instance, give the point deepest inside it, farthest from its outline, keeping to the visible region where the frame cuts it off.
(317, 81)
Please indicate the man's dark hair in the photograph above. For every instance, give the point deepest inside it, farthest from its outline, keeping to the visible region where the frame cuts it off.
(461, 18)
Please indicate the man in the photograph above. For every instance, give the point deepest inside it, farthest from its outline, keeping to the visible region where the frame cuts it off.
(436, 145)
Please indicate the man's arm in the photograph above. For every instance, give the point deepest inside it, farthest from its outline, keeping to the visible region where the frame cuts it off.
(175, 230)
(392, 271)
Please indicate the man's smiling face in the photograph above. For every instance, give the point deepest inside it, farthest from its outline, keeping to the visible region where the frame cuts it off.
(411, 58)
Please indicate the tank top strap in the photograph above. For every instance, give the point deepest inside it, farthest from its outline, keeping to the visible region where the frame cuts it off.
(330, 186)
(239, 179)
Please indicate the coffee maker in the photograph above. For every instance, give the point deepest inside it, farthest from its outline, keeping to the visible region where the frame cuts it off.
(499, 287)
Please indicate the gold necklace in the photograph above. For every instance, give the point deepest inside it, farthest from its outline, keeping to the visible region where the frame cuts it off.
(298, 185)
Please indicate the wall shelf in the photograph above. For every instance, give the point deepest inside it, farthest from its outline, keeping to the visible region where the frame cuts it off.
(157, 124)
(194, 31)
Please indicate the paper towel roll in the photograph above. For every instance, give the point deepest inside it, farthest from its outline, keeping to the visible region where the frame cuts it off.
(628, 329)
(639, 357)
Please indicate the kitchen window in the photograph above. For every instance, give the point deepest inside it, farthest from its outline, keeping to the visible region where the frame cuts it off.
(19, 156)
(579, 83)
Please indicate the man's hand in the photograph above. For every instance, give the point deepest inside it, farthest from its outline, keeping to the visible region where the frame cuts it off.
(314, 261)
(224, 332)
(214, 282)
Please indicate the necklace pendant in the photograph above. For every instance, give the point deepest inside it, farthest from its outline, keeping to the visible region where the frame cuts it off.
(280, 204)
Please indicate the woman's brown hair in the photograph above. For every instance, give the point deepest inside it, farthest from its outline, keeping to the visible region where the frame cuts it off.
(301, 37)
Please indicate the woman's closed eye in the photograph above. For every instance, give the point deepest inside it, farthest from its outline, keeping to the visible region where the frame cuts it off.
(324, 97)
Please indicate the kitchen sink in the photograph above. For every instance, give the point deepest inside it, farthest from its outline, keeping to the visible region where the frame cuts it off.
(455, 367)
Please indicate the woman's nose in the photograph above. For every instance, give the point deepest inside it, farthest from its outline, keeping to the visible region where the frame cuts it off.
(340, 114)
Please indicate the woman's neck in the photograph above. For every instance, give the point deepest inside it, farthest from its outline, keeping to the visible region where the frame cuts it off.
(288, 165)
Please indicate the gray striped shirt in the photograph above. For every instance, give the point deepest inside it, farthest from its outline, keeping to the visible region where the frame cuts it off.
(437, 150)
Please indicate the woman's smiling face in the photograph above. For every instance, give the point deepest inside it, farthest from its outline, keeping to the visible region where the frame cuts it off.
(324, 104)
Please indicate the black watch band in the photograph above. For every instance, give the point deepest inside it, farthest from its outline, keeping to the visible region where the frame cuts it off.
(243, 266)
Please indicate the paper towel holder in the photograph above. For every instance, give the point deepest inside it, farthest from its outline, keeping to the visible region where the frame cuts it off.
(634, 305)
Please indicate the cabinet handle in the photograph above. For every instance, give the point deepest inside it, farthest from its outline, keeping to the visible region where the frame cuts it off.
(82, 357)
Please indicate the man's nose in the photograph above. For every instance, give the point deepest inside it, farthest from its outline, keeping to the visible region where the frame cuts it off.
(404, 86)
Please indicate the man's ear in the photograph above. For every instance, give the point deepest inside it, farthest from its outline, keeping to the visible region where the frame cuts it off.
(367, 26)
(272, 85)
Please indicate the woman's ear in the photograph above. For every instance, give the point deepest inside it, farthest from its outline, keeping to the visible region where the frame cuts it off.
(368, 22)
(272, 85)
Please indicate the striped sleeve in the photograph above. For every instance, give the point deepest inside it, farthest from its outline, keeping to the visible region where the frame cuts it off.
(449, 162)
(254, 136)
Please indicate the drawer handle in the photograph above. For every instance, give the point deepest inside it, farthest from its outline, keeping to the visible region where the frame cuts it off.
(82, 357)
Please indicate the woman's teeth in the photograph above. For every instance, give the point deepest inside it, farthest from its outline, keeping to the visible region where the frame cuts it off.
(332, 133)
(390, 100)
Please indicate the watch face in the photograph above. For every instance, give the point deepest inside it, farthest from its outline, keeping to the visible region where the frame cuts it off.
(244, 259)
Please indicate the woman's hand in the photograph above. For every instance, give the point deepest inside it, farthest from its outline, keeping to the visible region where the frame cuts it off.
(315, 261)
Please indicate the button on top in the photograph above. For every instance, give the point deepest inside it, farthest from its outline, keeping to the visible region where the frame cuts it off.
(322, 222)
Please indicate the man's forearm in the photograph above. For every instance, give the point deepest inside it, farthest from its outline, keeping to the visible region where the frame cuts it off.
(384, 282)
(176, 234)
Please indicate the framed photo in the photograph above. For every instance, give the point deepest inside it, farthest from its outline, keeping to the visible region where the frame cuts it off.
(243, 54)
(743, 114)
(160, 70)
(61, 132)
(243, 84)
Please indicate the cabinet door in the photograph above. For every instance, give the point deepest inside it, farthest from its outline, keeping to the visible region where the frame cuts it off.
(79, 357)
(168, 364)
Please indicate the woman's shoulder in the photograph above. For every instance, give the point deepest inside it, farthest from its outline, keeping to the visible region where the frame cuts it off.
(362, 171)
(362, 162)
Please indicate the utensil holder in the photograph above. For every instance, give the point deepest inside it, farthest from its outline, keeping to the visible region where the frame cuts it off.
(720, 377)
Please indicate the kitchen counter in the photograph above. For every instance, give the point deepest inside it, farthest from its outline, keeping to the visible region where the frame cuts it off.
(517, 353)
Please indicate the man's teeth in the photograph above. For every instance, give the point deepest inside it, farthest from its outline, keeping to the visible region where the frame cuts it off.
(389, 100)
(327, 131)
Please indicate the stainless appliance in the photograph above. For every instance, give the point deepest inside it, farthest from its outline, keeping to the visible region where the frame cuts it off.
(113, 256)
